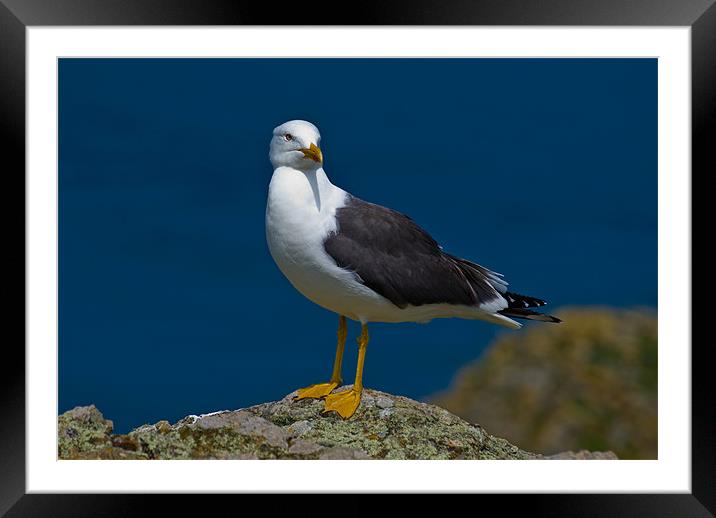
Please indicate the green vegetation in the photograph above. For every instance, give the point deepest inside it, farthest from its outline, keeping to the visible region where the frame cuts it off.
(590, 382)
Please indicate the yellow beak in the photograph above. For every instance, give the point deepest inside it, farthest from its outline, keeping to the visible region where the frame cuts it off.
(314, 153)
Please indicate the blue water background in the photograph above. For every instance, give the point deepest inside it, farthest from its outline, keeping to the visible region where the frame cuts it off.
(169, 302)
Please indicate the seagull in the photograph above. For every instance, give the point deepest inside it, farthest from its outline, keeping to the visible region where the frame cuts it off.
(367, 262)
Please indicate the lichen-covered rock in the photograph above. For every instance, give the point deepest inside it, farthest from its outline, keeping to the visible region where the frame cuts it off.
(81, 431)
(384, 427)
(388, 427)
(582, 455)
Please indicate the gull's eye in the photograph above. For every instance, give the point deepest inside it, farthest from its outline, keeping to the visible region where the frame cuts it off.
(288, 137)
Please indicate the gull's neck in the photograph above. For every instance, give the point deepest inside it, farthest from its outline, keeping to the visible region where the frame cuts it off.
(310, 189)
(321, 186)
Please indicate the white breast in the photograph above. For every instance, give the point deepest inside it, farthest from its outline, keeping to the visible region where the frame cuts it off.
(300, 214)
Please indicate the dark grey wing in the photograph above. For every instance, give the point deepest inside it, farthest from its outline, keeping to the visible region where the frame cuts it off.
(399, 260)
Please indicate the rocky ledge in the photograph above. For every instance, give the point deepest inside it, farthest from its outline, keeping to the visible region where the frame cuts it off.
(384, 427)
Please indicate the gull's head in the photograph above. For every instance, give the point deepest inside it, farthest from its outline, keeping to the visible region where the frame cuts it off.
(296, 144)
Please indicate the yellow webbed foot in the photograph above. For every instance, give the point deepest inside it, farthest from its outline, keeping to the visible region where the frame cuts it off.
(344, 403)
(316, 391)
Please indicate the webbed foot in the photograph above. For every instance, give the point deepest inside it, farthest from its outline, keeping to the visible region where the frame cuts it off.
(317, 391)
(343, 403)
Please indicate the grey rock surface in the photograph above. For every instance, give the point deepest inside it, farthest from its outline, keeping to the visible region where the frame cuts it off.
(384, 427)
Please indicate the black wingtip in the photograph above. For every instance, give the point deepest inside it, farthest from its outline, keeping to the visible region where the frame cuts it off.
(528, 314)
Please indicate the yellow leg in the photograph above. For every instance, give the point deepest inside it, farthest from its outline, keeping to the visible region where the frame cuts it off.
(346, 403)
(320, 390)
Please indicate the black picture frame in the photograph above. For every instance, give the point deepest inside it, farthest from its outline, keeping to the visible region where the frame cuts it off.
(17, 15)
